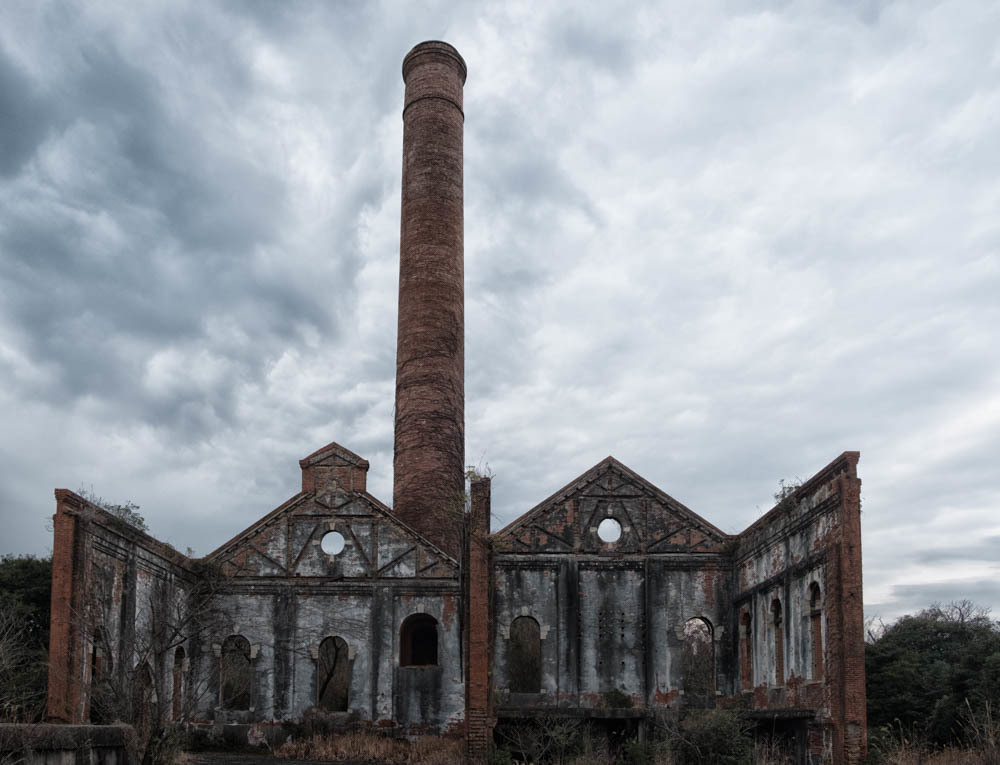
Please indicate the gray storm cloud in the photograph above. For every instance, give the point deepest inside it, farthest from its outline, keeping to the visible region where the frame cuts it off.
(724, 244)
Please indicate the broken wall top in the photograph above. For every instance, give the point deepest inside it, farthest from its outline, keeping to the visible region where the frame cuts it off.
(819, 493)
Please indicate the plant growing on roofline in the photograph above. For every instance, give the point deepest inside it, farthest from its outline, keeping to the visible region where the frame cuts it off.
(786, 490)
(127, 512)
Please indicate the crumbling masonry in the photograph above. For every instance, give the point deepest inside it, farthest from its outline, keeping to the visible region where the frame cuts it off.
(609, 601)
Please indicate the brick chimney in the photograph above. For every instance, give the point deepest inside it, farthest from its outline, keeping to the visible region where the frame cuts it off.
(429, 459)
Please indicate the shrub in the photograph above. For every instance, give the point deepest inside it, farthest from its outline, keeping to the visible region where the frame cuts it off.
(711, 736)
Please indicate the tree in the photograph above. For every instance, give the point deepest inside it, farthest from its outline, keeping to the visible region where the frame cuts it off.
(148, 676)
(923, 669)
(25, 583)
(22, 670)
(26, 588)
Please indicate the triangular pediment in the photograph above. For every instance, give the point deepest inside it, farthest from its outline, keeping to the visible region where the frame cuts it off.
(648, 520)
(371, 543)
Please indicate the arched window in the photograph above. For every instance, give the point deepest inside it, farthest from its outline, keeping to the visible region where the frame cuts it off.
(237, 673)
(746, 652)
(418, 641)
(779, 643)
(698, 659)
(333, 675)
(177, 696)
(816, 630)
(524, 656)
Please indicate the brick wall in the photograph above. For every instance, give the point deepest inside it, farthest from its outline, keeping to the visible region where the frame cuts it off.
(64, 691)
(811, 538)
(852, 646)
(478, 686)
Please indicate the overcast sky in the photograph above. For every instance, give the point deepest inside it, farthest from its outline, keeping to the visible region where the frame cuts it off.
(721, 241)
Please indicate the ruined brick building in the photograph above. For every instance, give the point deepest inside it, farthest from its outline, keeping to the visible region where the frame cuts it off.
(609, 600)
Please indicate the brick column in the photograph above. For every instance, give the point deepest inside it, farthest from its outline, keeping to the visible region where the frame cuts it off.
(851, 605)
(429, 455)
(478, 681)
(63, 704)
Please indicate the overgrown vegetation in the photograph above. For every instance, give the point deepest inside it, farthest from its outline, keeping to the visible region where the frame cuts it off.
(705, 736)
(697, 737)
(127, 512)
(893, 746)
(152, 692)
(786, 489)
(25, 584)
(372, 747)
(933, 681)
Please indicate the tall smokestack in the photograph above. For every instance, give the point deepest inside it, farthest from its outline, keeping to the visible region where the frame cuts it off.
(429, 461)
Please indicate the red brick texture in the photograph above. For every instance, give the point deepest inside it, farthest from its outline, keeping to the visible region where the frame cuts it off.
(334, 463)
(429, 458)
(478, 712)
(853, 711)
(64, 686)
(832, 684)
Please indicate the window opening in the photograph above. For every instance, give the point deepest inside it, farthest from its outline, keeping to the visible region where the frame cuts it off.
(237, 673)
(609, 530)
(524, 655)
(418, 641)
(816, 630)
(746, 643)
(334, 674)
(332, 543)
(698, 659)
(779, 643)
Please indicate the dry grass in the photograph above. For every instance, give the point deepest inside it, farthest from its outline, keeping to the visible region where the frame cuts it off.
(370, 747)
(981, 732)
(916, 756)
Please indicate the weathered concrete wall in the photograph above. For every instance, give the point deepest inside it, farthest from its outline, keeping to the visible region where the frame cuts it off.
(805, 554)
(285, 595)
(65, 744)
(285, 626)
(611, 613)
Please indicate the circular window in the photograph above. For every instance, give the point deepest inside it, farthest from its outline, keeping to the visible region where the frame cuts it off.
(332, 542)
(609, 530)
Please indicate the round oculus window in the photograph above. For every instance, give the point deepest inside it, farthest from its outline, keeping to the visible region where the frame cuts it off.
(332, 542)
(609, 530)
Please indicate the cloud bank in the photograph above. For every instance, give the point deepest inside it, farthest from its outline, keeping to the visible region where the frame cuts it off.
(724, 244)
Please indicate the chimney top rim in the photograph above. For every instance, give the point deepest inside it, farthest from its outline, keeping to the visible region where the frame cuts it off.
(434, 46)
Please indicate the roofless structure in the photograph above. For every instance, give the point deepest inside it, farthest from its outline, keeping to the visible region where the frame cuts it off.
(610, 600)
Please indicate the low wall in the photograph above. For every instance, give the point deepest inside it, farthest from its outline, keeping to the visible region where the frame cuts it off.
(64, 744)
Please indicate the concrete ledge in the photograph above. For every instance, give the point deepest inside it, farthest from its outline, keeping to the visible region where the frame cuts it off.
(590, 713)
(51, 743)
